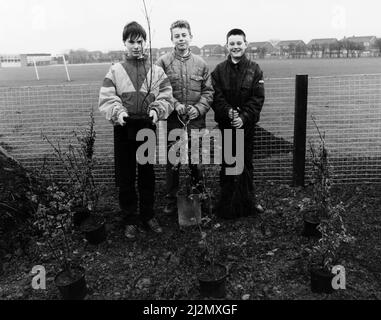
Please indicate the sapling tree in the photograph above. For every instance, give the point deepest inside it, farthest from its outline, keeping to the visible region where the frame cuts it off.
(52, 219)
(78, 162)
(330, 216)
(321, 175)
(334, 234)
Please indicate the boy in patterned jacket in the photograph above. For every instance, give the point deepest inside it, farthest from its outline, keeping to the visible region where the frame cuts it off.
(134, 96)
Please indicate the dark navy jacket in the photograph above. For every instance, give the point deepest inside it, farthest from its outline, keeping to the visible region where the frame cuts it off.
(239, 86)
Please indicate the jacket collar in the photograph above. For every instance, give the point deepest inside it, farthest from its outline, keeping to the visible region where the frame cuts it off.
(142, 58)
(240, 63)
(180, 57)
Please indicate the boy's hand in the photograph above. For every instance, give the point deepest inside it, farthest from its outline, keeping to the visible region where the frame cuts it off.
(181, 109)
(237, 122)
(233, 114)
(120, 118)
(153, 115)
(192, 112)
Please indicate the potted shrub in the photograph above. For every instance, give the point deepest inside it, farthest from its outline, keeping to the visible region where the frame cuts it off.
(188, 197)
(78, 163)
(211, 274)
(53, 218)
(324, 255)
(317, 209)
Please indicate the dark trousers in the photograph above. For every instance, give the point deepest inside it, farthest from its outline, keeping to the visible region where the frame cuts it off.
(237, 196)
(125, 173)
(173, 178)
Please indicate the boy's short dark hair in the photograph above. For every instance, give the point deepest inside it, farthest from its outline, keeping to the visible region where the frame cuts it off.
(180, 24)
(236, 32)
(134, 30)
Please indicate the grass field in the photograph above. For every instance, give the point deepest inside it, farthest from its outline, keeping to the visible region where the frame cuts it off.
(347, 109)
(284, 68)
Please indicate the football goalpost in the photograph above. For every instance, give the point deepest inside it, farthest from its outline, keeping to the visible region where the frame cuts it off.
(65, 64)
(67, 71)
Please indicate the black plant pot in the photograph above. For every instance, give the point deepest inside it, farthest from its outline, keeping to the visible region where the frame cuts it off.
(213, 283)
(71, 287)
(79, 215)
(94, 228)
(311, 228)
(321, 280)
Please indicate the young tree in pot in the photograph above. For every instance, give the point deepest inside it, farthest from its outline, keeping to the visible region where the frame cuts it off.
(53, 218)
(78, 163)
(188, 196)
(199, 197)
(324, 255)
(317, 209)
(212, 274)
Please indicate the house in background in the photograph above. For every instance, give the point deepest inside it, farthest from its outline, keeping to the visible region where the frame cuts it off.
(10, 60)
(292, 48)
(365, 45)
(41, 59)
(165, 50)
(195, 50)
(23, 60)
(320, 48)
(260, 49)
(155, 52)
(213, 50)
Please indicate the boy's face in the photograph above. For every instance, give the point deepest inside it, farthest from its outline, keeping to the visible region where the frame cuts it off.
(181, 38)
(135, 47)
(236, 46)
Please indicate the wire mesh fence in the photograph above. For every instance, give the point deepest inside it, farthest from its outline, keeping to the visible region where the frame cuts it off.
(346, 108)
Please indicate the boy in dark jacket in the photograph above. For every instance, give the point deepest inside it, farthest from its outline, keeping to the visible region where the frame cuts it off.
(134, 96)
(238, 100)
(193, 93)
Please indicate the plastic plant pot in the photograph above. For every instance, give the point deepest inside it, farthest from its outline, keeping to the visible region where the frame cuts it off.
(71, 285)
(321, 280)
(79, 215)
(94, 229)
(311, 228)
(213, 281)
(311, 223)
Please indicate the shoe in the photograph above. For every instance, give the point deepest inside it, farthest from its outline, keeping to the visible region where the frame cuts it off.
(170, 209)
(131, 231)
(259, 209)
(153, 225)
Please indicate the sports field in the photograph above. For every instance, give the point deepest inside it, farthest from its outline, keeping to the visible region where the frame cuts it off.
(344, 95)
(279, 68)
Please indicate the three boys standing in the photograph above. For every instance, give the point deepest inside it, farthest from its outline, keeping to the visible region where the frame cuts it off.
(182, 93)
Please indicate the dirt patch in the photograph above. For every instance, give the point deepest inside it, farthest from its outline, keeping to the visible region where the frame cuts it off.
(263, 254)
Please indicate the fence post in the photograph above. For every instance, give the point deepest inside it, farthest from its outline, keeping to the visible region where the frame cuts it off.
(300, 129)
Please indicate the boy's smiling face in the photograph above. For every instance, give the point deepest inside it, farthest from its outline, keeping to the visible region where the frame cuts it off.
(135, 47)
(181, 38)
(236, 46)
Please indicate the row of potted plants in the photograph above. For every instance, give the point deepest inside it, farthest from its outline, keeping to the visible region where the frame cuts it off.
(323, 220)
(61, 209)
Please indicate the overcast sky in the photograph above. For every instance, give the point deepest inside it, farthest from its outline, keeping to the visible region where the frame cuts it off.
(53, 26)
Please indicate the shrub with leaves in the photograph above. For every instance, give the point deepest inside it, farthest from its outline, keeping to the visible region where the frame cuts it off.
(53, 220)
(321, 176)
(78, 163)
(209, 245)
(334, 235)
